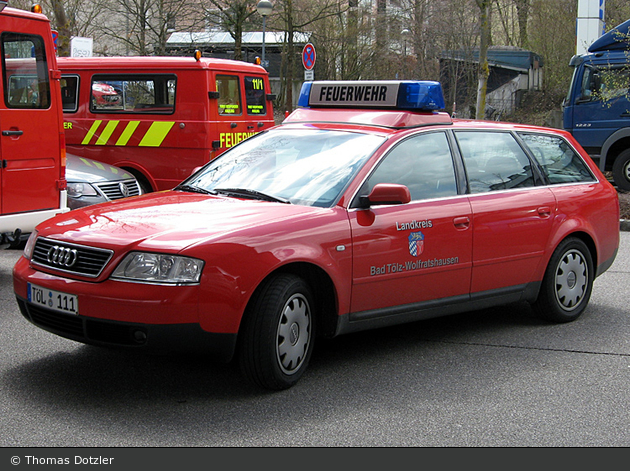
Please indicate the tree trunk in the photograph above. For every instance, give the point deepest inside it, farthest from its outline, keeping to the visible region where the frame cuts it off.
(484, 69)
(352, 65)
(522, 9)
(63, 41)
(288, 104)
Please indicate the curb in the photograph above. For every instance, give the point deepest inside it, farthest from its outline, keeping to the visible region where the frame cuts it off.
(624, 225)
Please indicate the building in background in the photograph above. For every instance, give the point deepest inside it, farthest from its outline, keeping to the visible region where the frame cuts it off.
(513, 71)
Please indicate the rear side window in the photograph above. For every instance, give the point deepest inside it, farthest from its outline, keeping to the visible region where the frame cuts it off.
(25, 71)
(133, 93)
(229, 95)
(494, 161)
(559, 162)
(255, 96)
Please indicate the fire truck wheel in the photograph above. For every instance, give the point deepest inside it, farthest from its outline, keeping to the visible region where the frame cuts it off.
(278, 333)
(621, 170)
(566, 287)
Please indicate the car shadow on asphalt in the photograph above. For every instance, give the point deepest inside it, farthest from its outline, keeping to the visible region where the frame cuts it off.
(107, 377)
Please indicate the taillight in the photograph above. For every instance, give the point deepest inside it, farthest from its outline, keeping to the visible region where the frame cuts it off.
(62, 151)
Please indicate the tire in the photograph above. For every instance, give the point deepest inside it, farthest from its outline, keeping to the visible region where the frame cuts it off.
(278, 333)
(567, 284)
(621, 170)
(145, 186)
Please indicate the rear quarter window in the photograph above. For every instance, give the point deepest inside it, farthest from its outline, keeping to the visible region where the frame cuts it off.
(559, 162)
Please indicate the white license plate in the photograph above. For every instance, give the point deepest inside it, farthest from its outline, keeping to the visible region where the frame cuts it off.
(55, 300)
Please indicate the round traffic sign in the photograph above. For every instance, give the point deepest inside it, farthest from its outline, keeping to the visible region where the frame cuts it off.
(308, 56)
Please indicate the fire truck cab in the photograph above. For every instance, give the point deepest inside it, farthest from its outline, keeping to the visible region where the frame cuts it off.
(32, 145)
(160, 118)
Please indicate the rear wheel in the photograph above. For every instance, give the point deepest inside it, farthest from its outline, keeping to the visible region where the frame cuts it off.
(278, 334)
(568, 282)
(621, 170)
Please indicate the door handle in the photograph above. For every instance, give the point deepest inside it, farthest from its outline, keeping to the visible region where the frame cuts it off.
(544, 211)
(462, 222)
(12, 133)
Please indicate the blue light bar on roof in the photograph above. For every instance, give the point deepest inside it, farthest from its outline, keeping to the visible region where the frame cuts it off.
(385, 94)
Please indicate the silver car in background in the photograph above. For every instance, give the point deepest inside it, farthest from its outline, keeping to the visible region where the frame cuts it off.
(91, 182)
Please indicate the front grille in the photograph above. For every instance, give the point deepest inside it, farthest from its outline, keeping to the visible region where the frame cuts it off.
(82, 329)
(70, 258)
(117, 190)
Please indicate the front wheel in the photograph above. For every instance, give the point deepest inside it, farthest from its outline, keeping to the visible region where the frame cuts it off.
(278, 333)
(568, 282)
(621, 170)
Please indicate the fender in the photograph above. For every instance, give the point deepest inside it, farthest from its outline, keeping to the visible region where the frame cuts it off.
(233, 266)
(563, 229)
(612, 139)
(230, 282)
(134, 168)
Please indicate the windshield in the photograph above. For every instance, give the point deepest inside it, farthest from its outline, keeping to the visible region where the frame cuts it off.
(307, 167)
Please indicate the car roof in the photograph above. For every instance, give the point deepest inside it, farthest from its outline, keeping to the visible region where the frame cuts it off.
(397, 115)
(166, 63)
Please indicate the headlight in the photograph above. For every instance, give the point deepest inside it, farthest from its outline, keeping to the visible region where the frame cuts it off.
(30, 245)
(159, 268)
(76, 190)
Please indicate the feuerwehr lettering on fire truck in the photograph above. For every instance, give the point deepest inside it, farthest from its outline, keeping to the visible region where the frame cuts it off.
(416, 248)
(229, 139)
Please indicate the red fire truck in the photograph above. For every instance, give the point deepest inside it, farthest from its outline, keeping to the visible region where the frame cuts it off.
(32, 145)
(161, 117)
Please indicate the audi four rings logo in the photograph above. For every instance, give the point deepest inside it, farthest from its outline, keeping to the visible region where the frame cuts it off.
(62, 256)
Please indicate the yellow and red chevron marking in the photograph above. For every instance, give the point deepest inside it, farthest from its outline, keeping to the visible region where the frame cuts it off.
(115, 133)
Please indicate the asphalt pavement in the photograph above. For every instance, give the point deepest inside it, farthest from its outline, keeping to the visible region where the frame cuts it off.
(493, 378)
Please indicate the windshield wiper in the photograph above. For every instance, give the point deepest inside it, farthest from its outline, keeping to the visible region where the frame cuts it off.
(194, 189)
(247, 193)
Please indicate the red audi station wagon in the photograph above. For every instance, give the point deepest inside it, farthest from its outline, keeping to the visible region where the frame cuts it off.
(366, 207)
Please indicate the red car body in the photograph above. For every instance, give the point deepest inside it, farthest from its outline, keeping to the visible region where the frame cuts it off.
(365, 266)
(105, 95)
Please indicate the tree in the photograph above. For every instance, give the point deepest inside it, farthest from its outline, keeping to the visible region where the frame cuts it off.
(553, 37)
(294, 16)
(142, 27)
(456, 49)
(522, 9)
(64, 27)
(234, 15)
(484, 69)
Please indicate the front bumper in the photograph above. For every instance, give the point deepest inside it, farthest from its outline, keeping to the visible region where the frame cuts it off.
(155, 338)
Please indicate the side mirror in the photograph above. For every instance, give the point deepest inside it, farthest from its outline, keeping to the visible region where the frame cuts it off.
(386, 193)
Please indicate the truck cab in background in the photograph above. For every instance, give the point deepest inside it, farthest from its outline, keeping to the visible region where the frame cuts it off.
(32, 143)
(596, 110)
(160, 118)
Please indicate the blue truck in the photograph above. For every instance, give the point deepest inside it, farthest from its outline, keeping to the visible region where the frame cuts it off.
(597, 107)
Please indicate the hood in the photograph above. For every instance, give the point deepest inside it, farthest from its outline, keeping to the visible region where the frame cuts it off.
(171, 220)
(81, 169)
(616, 38)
